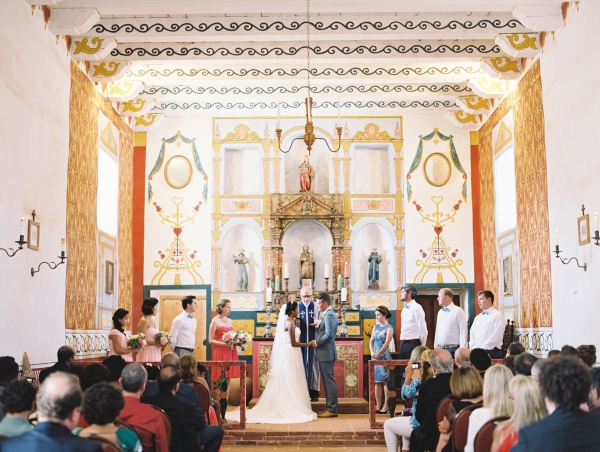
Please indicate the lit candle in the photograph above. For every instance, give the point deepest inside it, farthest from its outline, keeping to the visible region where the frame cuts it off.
(269, 294)
(596, 221)
(278, 115)
(286, 271)
(326, 271)
(22, 228)
(339, 119)
(346, 270)
(556, 237)
(340, 282)
(344, 294)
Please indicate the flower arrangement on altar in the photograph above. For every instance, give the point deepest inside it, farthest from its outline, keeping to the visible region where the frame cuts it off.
(162, 339)
(137, 341)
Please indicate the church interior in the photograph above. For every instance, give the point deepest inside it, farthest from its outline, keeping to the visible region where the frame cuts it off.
(242, 150)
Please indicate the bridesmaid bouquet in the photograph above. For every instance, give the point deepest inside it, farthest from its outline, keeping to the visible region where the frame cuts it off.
(137, 341)
(243, 337)
(230, 338)
(162, 339)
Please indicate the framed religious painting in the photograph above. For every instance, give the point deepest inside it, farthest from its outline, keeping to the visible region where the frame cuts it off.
(33, 235)
(583, 229)
(109, 280)
(507, 276)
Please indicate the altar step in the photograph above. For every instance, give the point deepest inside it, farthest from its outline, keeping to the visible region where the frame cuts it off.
(345, 406)
(349, 430)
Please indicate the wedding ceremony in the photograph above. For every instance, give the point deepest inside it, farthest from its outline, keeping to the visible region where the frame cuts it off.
(299, 226)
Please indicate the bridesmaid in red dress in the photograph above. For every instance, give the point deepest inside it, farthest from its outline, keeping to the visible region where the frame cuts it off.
(220, 351)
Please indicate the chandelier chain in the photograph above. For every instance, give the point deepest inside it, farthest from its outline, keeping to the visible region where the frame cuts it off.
(308, 44)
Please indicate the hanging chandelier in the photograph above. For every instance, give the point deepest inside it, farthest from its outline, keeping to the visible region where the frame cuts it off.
(309, 137)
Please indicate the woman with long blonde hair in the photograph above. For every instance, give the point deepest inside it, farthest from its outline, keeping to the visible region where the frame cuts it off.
(528, 408)
(496, 401)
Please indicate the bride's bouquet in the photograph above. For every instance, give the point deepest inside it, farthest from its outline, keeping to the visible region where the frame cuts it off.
(229, 338)
(162, 339)
(243, 337)
(137, 341)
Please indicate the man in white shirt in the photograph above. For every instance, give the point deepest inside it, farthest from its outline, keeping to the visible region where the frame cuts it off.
(414, 329)
(451, 327)
(183, 328)
(487, 330)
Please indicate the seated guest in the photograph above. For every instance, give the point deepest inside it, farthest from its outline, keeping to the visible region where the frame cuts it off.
(496, 401)
(425, 436)
(509, 361)
(535, 369)
(181, 414)
(565, 385)
(467, 387)
(528, 408)
(65, 359)
(553, 353)
(147, 422)
(480, 360)
(152, 372)
(569, 352)
(115, 365)
(9, 371)
(189, 368)
(102, 404)
(596, 389)
(587, 355)
(514, 349)
(523, 364)
(76, 369)
(404, 425)
(92, 374)
(57, 401)
(18, 400)
(462, 357)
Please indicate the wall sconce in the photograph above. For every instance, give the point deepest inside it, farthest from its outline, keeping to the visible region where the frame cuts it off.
(53, 265)
(565, 261)
(20, 242)
(596, 236)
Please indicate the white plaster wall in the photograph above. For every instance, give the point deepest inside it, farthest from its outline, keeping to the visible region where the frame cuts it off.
(241, 236)
(419, 235)
(368, 237)
(242, 173)
(196, 236)
(570, 67)
(372, 170)
(34, 131)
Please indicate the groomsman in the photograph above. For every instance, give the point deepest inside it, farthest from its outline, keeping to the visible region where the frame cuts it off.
(451, 327)
(308, 333)
(414, 328)
(183, 328)
(488, 327)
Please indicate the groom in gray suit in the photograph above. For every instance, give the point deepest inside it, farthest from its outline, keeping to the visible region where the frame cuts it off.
(326, 353)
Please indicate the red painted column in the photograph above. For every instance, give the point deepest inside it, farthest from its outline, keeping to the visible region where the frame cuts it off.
(137, 223)
(476, 196)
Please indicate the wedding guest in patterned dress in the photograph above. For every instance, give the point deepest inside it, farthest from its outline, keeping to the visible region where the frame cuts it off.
(379, 345)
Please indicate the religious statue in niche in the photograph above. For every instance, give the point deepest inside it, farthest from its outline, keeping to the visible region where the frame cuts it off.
(242, 272)
(307, 265)
(374, 261)
(307, 175)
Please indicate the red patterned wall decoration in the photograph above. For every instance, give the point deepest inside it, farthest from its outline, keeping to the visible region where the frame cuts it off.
(532, 199)
(82, 186)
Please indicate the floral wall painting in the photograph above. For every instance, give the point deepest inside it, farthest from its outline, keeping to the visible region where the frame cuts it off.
(507, 276)
(33, 235)
(583, 229)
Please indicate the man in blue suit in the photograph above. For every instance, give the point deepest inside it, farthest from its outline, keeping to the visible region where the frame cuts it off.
(58, 402)
(326, 354)
(565, 385)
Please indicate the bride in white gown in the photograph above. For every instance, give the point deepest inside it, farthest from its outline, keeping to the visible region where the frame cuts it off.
(285, 399)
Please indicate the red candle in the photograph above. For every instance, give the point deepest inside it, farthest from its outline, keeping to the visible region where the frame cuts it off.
(346, 270)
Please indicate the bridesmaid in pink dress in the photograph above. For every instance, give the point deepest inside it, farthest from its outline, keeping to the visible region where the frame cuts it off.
(221, 351)
(117, 341)
(147, 325)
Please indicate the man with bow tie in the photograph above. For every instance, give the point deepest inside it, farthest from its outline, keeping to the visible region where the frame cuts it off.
(183, 328)
(487, 330)
(414, 328)
(451, 327)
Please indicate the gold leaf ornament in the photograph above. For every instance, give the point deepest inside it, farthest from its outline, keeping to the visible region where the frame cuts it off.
(82, 46)
(142, 121)
(504, 64)
(476, 102)
(100, 69)
(528, 41)
(134, 105)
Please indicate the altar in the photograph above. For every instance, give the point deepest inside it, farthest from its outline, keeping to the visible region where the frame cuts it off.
(348, 369)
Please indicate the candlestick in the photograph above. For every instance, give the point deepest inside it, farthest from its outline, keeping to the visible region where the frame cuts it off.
(286, 288)
(326, 284)
(286, 271)
(62, 246)
(278, 115)
(326, 271)
(340, 282)
(346, 270)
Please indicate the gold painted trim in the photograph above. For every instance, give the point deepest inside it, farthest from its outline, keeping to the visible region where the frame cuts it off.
(139, 139)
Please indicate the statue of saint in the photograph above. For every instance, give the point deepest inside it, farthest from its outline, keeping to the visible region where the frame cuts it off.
(374, 261)
(242, 272)
(307, 265)
(307, 174)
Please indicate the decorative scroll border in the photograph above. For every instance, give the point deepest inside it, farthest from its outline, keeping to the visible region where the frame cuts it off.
(87, 343)
(537, 341)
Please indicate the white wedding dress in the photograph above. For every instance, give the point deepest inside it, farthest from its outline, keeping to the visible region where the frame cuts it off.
(285, 399)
